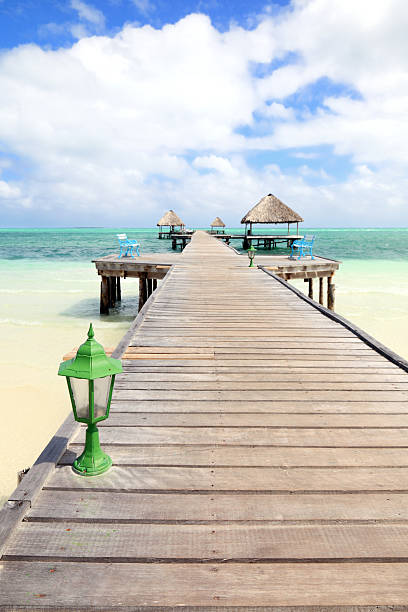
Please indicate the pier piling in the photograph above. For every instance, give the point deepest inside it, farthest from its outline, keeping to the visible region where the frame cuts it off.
(321, 299)
(330, 293)
(104, 302)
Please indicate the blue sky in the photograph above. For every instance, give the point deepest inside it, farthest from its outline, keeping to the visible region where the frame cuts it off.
(28, 21)
(113, 111)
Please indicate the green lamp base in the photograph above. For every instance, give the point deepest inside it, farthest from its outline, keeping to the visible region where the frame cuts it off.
(82, 466)
(93, 460)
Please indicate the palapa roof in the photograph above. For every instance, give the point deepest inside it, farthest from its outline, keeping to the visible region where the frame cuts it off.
(170, 218)
(271, 210)
(218, 222)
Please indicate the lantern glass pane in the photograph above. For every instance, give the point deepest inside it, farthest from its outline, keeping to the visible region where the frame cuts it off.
(101, 395)
(80, 391)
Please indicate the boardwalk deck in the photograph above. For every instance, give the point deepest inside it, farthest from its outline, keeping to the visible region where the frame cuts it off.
(260, 456)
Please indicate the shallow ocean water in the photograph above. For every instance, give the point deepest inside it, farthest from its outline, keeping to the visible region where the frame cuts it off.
(49, 293)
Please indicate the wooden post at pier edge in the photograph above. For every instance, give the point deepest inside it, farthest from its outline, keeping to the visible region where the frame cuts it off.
(311, 288)
(142, 290)
(112, 291)
(321, 290)
(104, 303)
(149, 287)
(154, 284)
(330, 293)
(118, 290)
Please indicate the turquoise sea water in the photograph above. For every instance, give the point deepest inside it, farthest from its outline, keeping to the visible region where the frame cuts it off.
(89, 243)
(49, 292)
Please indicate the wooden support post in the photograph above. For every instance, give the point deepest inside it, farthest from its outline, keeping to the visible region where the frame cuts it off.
(112, 291)
(330, 293)
(321, 290)
(174, 244)
(104, 303)
(118, 290)
(311, 288)
(149, 287)
(142, 290)
(154, 284)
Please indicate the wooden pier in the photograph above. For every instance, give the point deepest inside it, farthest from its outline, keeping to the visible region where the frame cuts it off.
(153, 267)
(260, 449)
(267, 241)
(147, 269)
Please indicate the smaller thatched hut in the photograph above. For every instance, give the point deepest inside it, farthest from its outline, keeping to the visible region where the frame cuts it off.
(172, 221)
(217, 226)
(271, 210)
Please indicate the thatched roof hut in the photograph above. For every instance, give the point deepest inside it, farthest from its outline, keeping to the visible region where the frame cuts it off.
(271, 210)
(218, 222)
(170, 219)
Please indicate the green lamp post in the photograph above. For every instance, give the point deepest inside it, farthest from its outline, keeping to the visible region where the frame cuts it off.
(251, 255)
(90, 378)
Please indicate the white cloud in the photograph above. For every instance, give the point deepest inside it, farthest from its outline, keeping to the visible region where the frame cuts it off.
(89, 13)
(107, 127)
(214, 162)
(144, 6)
(278, 111)
(9, 192)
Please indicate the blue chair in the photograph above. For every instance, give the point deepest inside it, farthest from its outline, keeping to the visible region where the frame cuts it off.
(127, 246)
(305, 247)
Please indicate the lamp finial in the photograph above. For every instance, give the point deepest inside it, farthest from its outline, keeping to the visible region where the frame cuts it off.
(90, 332)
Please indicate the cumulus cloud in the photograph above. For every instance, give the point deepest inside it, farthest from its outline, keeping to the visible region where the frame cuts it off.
(121, 127)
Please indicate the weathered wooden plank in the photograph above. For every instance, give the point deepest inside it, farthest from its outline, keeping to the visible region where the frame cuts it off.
(260, 386)
(228, 324)
(255, 456)
(252, 348)
(327, 406)
(143, 542)
(254, 343)
(317, 360)
(369, 376)
(288, 395)
(258, 436)
(328, 587)
(220, 370)
(218, 339)
(166, 508)
(121, 478)
(290, 347)
(262, 419)
(11, 514)
(250, 333)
